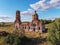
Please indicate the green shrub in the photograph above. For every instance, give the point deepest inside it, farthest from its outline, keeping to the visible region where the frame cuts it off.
(54, 33)
(12, 39)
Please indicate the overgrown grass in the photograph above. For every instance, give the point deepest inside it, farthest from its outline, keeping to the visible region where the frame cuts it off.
(10, 29)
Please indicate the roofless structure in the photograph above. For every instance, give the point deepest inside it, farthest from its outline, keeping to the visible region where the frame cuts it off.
(35, 25)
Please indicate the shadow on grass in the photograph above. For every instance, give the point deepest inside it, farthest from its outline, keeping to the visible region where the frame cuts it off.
(32, 41)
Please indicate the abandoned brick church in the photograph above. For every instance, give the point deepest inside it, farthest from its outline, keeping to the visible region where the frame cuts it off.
(35, 25)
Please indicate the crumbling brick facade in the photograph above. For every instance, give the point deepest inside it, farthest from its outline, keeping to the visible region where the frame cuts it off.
(35, 25)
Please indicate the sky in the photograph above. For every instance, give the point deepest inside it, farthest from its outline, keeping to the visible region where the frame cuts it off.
(46, 9)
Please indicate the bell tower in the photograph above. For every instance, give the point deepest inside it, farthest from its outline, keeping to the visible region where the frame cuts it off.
(35, 16)
(17, 20)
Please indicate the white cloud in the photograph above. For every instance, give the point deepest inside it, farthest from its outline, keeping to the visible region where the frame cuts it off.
(44, 4)
(28, 12)
(53, 17)
(6, 18)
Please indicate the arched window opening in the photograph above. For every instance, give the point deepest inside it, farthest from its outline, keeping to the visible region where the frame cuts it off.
(29, 27)
(25, 27)
(33, 29)
(34, 25)
(39, 28)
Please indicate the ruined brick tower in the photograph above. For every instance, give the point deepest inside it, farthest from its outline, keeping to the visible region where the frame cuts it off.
(35, 16)
(18, 20)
